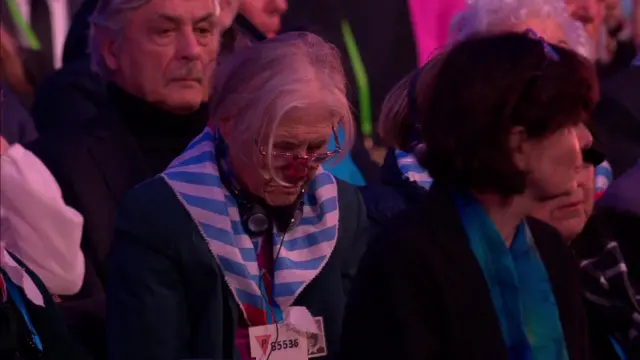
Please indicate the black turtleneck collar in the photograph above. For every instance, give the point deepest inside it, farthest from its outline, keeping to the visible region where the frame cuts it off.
(142, 116)
(161, 135)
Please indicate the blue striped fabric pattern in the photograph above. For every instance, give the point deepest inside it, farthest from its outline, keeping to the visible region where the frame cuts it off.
(604, 176)
(194, 178)
(412, 170)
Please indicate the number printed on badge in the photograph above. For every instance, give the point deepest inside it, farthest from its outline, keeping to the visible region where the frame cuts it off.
(281, 343)
(284, 344)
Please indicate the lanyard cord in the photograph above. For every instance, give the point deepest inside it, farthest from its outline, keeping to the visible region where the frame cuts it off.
(22, 25)
(362, 80)
(18, 299)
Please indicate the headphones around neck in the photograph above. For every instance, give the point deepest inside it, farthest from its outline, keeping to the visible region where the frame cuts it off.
(255, 218)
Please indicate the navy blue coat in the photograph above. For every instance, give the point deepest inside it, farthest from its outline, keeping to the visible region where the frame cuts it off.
(167, 297)
(391, 196)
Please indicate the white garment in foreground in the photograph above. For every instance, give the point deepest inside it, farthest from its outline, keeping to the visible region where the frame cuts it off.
(36, 225)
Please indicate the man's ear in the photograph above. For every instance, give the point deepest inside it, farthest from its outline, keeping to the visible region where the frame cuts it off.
(107, 46)
(520, 148)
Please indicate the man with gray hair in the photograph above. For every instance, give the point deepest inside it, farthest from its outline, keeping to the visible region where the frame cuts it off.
(157, 57)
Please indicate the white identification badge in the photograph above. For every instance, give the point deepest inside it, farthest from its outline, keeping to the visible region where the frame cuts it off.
(286, 343)
(281, 343)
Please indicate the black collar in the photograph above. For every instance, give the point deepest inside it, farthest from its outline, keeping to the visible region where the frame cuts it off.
(143, 118)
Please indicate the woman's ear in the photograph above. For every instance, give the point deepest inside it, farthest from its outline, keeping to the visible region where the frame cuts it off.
(520, 148)
(107, 47)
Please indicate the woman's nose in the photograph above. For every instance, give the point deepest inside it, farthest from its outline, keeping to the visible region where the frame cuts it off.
(585, 139)
(296, 171)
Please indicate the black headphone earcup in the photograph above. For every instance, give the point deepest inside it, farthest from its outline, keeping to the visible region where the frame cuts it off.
(255, 220)
(297, 216)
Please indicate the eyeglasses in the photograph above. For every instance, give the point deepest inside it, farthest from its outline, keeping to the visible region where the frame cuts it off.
(282, 158)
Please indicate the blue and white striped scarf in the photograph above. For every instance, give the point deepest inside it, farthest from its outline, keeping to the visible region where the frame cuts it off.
(195, 179)
(604, 176)
(413, 171)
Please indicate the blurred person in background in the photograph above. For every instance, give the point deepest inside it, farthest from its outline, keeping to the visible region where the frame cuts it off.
(72, 94)
(157, 59)
(617, 46)
(465, 273)
(273, 238)
(16, 125)
(591, 14)
(11, 69)
(40, 28)
(375, 58)
(39, 255)
(264, 14)
(617, 118)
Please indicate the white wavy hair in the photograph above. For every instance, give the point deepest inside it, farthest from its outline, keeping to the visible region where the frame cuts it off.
(493, 16)
(110, 18)
(257, 86)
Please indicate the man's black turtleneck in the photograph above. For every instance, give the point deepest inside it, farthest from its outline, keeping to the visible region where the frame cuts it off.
(160, 134)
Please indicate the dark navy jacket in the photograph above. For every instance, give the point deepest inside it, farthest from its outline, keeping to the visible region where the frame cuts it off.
(391, 196)
(167, 297)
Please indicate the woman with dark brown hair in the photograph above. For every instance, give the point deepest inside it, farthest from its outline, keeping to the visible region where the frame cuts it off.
(465, 274)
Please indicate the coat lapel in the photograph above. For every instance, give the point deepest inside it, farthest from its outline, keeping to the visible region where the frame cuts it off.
(117, 156)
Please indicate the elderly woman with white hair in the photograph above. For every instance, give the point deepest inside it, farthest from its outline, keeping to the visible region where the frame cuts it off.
(245, 245)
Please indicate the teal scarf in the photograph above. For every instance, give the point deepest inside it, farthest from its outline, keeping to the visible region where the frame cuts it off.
(518, 284)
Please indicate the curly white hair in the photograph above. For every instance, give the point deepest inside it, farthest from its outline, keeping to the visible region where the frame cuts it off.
(491, 16)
